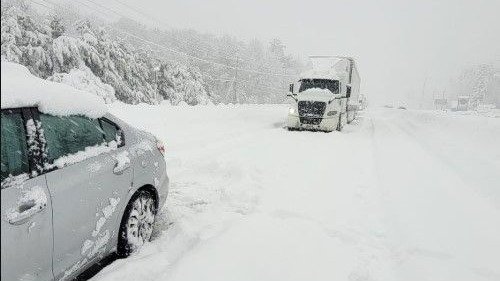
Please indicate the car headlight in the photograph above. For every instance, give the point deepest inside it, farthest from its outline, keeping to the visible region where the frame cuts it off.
(291, 110)
(331, 113)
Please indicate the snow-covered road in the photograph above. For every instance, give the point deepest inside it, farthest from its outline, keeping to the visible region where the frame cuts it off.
(401, 195)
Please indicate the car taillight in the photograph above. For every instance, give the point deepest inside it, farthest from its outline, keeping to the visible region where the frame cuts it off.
(161, 146)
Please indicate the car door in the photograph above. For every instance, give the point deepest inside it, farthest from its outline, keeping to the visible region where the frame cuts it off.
(26, 212)
(85, 187)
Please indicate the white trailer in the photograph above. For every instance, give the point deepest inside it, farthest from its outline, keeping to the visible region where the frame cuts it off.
(327, 96)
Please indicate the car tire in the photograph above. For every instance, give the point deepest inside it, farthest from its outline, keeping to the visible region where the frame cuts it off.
(137, 223)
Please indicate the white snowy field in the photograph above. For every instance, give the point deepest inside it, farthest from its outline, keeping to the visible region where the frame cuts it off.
(401, 195)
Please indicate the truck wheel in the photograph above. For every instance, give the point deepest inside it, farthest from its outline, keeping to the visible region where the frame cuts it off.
(340, 126)
(137, 223)
(353, 117)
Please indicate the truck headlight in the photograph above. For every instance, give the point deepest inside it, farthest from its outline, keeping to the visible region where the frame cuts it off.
(291, 110)
(331, 113)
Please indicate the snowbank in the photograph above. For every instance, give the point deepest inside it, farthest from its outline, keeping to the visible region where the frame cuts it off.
(19, 88)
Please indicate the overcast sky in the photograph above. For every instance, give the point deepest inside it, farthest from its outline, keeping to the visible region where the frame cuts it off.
(396, 43)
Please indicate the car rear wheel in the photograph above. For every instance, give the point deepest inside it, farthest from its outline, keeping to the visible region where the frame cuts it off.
(137, 223)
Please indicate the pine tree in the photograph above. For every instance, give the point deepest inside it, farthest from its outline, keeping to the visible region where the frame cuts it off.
(59, 47)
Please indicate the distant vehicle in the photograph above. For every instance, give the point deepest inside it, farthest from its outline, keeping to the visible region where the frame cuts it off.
(327, 97)
(73, 188)
(463, 103)
(363, 103)
(441, 103)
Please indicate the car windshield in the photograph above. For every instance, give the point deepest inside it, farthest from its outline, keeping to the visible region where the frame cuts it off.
(331, 85)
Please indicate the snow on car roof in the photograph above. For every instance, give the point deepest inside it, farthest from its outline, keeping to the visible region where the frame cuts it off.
(20, 88)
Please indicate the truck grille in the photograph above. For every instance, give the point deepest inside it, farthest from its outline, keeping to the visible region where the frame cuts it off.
(310, 120)
(311, 112)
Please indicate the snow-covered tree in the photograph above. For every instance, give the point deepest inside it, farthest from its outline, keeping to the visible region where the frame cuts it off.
(143, 64)
(475, 81)
(26, 41)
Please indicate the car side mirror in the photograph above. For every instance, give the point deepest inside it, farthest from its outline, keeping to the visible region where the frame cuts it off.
(293, 96)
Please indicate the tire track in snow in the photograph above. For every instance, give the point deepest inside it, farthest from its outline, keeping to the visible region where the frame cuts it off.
(428, 239)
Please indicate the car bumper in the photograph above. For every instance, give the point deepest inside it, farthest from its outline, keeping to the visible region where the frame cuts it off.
(163, 187)
(326, 124)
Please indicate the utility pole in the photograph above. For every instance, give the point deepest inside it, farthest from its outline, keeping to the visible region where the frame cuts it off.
(235, 98)
(156, 71)
(423, 90)
(235, 81)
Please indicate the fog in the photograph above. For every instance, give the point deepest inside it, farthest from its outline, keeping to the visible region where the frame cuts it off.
(166, 132)
(398, 44)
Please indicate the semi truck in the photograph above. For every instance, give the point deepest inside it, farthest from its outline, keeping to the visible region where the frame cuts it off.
(325, 97)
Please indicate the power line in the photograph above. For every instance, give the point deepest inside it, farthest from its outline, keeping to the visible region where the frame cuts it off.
(137, 11)
(181, 53)
(148, 16)
(41, 4)
(104, 7)
(158, 20)
(121, 30)
(185, 54)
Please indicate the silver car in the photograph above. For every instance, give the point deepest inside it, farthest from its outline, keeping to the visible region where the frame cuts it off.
(74, 189)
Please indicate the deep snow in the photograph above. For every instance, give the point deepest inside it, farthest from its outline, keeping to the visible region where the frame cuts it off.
(20, 88)
(400, 195)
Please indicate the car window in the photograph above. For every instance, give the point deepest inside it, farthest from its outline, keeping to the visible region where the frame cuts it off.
(69, 134)
(13, 145)
(111, 131)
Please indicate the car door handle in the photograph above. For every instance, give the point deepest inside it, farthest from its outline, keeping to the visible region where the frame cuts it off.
(25, 211)
(120, 168)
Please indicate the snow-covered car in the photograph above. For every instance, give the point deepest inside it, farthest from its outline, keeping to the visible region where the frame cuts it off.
(77, 183)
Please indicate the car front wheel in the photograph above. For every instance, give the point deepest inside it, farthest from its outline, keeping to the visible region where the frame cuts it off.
(137, 223)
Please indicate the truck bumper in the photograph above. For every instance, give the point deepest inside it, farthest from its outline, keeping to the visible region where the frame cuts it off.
(326, 124)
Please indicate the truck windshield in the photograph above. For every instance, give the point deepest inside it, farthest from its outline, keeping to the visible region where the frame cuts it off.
(332, 85)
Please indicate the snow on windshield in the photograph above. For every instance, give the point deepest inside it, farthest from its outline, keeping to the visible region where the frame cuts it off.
(319, 84)
(19, 88)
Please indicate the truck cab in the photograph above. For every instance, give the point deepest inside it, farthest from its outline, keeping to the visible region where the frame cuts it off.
(321, 98)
